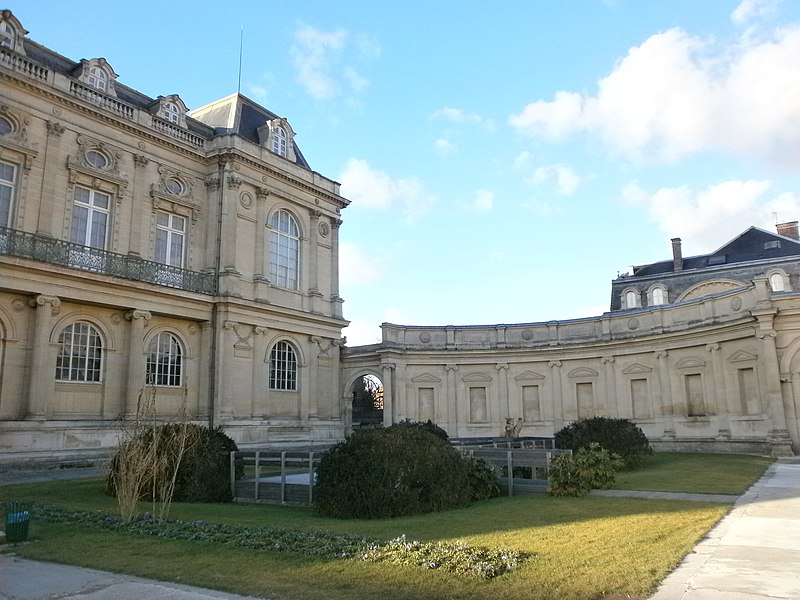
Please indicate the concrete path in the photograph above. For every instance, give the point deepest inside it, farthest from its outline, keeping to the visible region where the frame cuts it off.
(751, 554)
(31, 580)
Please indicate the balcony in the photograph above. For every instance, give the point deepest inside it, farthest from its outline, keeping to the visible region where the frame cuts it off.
(74, 256)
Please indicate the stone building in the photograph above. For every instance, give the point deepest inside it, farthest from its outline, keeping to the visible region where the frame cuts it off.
(193, 255)
(144, 246)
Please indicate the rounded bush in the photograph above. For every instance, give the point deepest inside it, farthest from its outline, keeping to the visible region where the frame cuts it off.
(620, 436)
(392, 472)
(204, 471)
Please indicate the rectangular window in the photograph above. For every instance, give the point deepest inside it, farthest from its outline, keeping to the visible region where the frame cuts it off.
(170, 236)
(640, 399)
(585, 394)
(748, 391)
(695, 399)
(7, 184)
(477, 405)
(425, 404)
(90, 218)
(531, 407)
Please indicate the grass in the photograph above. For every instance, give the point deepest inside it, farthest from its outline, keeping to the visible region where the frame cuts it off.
(695, 473)
(584, 548)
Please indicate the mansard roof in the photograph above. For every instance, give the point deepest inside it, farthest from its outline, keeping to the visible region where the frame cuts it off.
(235, 114)
(751, 245)
(239, 115)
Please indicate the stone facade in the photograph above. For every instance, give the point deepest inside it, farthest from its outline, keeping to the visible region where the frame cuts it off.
(142, 244)
(148, 249)
(720, 373)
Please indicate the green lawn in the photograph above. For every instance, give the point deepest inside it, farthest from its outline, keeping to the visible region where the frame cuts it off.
(584, 548)
(696, 473)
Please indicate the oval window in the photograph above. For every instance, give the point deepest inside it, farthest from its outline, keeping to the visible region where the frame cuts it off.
(174, 186)
(97, 159)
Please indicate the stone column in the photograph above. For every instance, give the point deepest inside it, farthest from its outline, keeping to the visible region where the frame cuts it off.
(52, 165)
(608, 397)
(261, 261)
(400, 393)
(504, 404)
(137, 363)
(720, 396)
(336, 300)
(313, 252)
(771, 382)
(666, 403)
(42, 373)
(556, 395)
(452, 409)
(388, 395)
(259, 375)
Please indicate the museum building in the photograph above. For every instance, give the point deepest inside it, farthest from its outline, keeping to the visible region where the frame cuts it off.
(193, 257)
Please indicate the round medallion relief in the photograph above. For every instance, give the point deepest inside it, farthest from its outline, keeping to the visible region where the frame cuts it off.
(736, 304)
(633, 324)
(425, 337)
(246, 199)
(527, 335)
(56, 111)
(324, 229)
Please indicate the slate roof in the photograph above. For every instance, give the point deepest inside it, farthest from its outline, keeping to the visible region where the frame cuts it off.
(750, 245)
(251, 116)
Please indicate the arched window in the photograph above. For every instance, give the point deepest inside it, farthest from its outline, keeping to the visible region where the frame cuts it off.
(164, 361)
(279, 141)
(658, 297)
(283, 367)
(777, 283)
(98, 79)
(284, 251)
(170, 112)
(8, 36)
(80, 353)
(630, 299)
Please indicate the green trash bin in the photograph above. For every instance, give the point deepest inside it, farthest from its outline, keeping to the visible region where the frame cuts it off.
(18, 519)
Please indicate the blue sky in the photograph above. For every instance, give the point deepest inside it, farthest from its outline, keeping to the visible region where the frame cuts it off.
(505, 161)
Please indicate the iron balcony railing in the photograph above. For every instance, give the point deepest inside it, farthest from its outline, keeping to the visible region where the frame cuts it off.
(58, 252)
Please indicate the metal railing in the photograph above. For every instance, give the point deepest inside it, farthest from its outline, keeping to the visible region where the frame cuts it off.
(58, 252)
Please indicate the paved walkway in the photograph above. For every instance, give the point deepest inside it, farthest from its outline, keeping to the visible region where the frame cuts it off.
(752, 554)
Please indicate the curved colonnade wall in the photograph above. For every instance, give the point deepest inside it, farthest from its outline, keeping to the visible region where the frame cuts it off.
(721, 373)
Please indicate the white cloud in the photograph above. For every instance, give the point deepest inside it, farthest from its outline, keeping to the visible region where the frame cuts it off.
(318, 55)
(677, 94)
(258, 92)
(706, 219)
(357, 267)
(483, 201)
(750, 9)
(566, 180)
(458, 115)
(445, 146)
(356, 81)
(372, 188)
(313, 54)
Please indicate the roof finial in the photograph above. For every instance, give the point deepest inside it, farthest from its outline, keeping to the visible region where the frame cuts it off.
(241, 45)
(775, 214)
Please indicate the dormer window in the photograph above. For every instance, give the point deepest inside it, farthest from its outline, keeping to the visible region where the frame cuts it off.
(170, 108)
(11, 32)
(170, 112)
(8, 36)
(98, 79)
(277, 136)
(279, 141)
(98, 74)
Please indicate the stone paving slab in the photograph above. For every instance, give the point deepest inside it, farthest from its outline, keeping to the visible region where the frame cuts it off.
(723, 498)
(22, 579)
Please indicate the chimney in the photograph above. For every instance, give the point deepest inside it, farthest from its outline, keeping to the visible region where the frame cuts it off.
(788, 230)
(677, 256)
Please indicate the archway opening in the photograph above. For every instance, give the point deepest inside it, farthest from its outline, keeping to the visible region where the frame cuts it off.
(367, 402)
